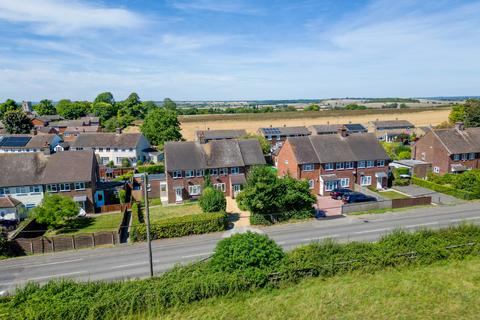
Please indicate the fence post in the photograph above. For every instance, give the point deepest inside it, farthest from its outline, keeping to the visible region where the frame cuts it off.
(42, 239)
(31, 246)
(93, 239)
(53, 244)
(73, 242)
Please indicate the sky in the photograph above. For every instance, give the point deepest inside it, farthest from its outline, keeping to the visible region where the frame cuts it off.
(238, 49)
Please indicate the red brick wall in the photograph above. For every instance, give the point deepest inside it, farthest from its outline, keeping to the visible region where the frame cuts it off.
(286, 154)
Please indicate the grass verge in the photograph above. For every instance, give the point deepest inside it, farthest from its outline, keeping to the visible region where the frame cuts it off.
(386, 210)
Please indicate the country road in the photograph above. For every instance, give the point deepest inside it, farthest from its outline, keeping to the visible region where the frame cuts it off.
(130, 261)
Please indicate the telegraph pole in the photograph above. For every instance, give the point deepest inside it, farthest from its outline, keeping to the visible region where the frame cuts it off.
(147, 216)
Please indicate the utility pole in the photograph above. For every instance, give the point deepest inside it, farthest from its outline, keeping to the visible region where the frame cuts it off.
(147, 216)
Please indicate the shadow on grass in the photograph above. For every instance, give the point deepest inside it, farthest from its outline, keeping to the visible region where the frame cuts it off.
(76, 224)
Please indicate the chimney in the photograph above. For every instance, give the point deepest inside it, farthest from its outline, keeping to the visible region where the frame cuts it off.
(460, 126)
(342, 132)
(118, 131)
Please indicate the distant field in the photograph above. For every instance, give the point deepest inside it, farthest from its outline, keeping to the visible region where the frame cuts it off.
(441, 291)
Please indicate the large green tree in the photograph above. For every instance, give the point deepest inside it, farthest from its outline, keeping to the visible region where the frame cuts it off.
(73, 109)
(161, 125)
(45, 107)
(104, 110)
(468, 113)
(55, 210)
(169, 104)
(132, 107)
(457, 114)
(17, 121)
(106, 97)
(263, 141)
(8, 105)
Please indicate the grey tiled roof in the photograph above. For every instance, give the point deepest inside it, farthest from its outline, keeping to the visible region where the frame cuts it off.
(219, 134)
(459, 141)
(287, 131)
(107, 140)
(394, 124)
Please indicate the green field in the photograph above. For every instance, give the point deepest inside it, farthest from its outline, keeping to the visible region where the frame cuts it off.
(442, 291)
(96, 223)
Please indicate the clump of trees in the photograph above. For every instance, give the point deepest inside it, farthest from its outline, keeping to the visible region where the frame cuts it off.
(354, 106)
(161, 125)
(467, 181)
(271, 199)
(55, 211)
(13, 118)
(312, 107)
(397, 150)
(468, 113)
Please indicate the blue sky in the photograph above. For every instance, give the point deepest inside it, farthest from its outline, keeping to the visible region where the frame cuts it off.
(228, 50)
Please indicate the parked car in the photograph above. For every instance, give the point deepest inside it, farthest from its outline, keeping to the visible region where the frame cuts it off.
(354, 197)
(339, 193)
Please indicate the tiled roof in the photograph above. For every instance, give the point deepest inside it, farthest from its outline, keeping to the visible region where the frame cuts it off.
(9, 202)
(459, 141)
(219, 134)
(107, 140)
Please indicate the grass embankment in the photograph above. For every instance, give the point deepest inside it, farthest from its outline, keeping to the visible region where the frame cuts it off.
(97, 223)
(442, 291)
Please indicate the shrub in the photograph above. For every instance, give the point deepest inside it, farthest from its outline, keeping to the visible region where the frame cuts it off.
(126, 163)
(55, 210)
(122, 196)
(259, 219)
(212, 200)
(182, 226)
(461, 194)
(246, 251)
(151, 169)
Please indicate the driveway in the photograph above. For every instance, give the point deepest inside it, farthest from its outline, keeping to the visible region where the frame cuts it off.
(329, 206)
(239, 217)
(437, 197)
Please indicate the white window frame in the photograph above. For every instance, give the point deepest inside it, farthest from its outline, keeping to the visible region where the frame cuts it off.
(471, 156)
(464, 156)
(105, 160)
(63, 187)
(456, 157)
(220, 186)
(366, 181)
(436, 169)
(349, 165)
(80, 185)
(199, 172)
(311, 184)
(370, 163)
(223, 171)
(52, 188)
(234, 170)
(35, 189)
(194, 190)
(344, 182)
(189, 173)
(286, 161)
(340, 166)
(177, 174)
(330, 185)
(361, 164)
(329, 166)
(308, 167)
(380, 163)
(214, 172)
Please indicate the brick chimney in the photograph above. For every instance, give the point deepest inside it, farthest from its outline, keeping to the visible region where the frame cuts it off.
(460, 126)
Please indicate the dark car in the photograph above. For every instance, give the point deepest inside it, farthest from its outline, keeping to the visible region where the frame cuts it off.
(339, 193)
(357, 197)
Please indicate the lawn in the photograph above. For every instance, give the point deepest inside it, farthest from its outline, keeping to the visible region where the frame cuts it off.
(442, 291)
(392, 195)
(158, 213)
(96, 223)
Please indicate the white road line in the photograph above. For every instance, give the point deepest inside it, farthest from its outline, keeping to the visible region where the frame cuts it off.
(464, 219)
(198, 255)
(321, 238)
(373, 231)
(42, 264)
(421, 225)
(56, 275)
(128, 265)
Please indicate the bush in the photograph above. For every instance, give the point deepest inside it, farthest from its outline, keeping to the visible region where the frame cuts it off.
(269, 219)
(55, 210)
(151, 169)
(461, 194)
(212, 200)
(259, 219)
(182, 226)
(122, 196)
(126, 163)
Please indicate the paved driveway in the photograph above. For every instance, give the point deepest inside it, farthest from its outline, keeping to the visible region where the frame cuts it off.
(329, 206)
(437, 197)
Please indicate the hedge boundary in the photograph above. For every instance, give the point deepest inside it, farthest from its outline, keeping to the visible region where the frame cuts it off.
(182, 226)
(461, 194)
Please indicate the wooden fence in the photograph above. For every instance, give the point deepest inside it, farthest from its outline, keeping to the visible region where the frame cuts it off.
(410, 202)
(114, 207)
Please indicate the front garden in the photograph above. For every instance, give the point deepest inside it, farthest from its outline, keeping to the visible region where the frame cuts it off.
(463, 186)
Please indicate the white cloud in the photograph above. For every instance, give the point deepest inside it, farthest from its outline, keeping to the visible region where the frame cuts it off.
(61, 17)
(233, 6)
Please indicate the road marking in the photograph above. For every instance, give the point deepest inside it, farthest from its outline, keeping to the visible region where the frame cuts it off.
(56, 275)
(421, 224)
(464, 219)
(198, 255)
(128, 265)
(373, 231)
(281, 242)
(42, 264)
(321, 238)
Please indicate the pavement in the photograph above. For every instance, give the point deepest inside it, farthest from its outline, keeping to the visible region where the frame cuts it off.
(437, 197)
(130, 261)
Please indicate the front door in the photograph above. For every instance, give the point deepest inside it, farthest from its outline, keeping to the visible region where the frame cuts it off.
(99, 198)
(179, 194)
(236, 189)
(379, 183)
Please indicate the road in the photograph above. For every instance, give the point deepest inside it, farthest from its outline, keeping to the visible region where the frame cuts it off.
(130, 261)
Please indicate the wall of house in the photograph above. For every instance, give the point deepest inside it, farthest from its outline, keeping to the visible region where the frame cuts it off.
(286, 162)
(29, 199)
(89, 192)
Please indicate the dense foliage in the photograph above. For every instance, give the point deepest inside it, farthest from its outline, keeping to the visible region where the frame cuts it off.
(397, 150)
(461, 194)
(182, 226)
(397, 179)
(467, 181)
(212, 200)
(468, 113)
(264, 143)
(17, 121)
(55, 210)
(45, 107)
(67, 300)
(8, 105)
(161, 125)
(151, 169)
(277, 199)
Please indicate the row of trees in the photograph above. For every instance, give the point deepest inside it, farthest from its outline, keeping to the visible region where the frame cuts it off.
(468, 113)
(230, 110)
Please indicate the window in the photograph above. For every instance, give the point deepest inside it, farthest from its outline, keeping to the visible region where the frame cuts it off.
(361, 164)
(330, 185)
(340, 166)
(115, 149)
(64, 187)
(51, 187)
(328, 166)
(223, 171)
(345, 182)
(199, 173)
(107, 149)
(2, 191)
(380, 163)
(311, 184)
(370, 164)
(307, 167)
(189, 173)
(219, 186)
(456, 157)
(464, 156)
(422, 156)
(269, 137)
(349, 165)
(22, 190)
(35, 189)
(177, 174)
(119, 160)
(436, 169)
(194, 190)
(286, 161)
(105, 160)
(214, 172)
(131, 149)
(472, 156)
(100, 149)
(79, 185)
(235, 170)
(366, 180)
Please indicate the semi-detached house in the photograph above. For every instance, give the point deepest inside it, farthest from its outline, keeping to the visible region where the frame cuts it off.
(331, 161)
(226, 162)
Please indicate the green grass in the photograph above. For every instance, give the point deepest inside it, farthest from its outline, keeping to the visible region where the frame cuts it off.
(159, 212)
(387, 210)
(442, 291)
(100, 222)
(392, 195)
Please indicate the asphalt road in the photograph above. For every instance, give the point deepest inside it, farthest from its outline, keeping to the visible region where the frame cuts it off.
(130, 261)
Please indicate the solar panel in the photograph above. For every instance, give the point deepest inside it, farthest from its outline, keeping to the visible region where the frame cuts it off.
(14, 141)
(272, 131)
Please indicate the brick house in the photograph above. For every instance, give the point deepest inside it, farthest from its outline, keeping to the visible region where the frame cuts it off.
(226, 161)
(205, 136)
(331, 161)
(333, 128)
(277, 136)
(453, 150)
(389, 130)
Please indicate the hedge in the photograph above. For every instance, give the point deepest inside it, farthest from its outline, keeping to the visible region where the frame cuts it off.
(186, 284)
(461, 194)
(151, 169)
(182, 226)
(269, 219)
